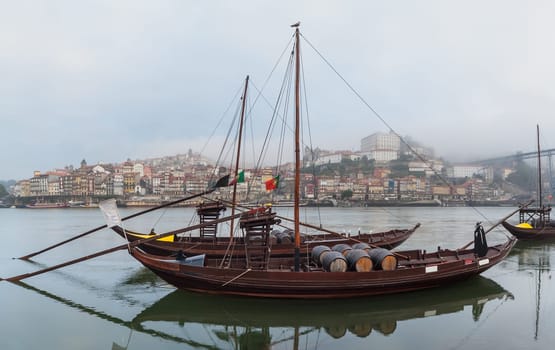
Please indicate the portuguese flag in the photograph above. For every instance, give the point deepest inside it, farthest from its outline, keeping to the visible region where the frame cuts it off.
(272, 183)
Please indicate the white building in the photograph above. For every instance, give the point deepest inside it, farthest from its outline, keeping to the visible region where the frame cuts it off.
(333, 158)
(139, 169)
(118, 185)
(467, 171)
(382, 147)
(98, 169)
(431, 168)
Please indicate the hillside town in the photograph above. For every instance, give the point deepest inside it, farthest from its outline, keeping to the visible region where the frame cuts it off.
(386, 171)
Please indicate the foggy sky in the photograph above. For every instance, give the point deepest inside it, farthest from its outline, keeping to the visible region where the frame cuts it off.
(110, 80)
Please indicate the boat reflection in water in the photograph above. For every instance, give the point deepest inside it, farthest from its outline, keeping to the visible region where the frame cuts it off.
(252, 323)
(206, 321)
(534, 257)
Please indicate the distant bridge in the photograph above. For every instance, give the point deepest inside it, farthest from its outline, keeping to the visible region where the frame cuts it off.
(517, 156)
(547, 167)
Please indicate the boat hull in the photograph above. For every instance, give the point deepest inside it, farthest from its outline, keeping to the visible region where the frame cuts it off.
(543, 233)
(418, 271)
(47, 206)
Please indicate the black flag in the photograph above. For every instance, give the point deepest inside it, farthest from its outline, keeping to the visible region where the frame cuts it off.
(222, 182)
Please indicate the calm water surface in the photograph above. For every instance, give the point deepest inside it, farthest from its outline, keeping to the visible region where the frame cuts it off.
(112, 302)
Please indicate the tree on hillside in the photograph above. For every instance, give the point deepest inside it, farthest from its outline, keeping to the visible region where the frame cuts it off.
(399, 168)
(3, 191)
(367, 165)
(524, 176)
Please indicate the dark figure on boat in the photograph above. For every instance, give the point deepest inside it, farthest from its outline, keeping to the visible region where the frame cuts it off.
(480, 243)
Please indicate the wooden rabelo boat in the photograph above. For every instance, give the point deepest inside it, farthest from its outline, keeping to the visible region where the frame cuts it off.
(534, 223)
(208, 242)
(342, 273)
(279, 277)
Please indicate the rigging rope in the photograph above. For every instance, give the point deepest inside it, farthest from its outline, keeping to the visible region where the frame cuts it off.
(419, 156)
(224, 114)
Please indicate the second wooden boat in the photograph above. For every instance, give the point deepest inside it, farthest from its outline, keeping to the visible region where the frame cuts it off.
(534, 223)
(282, 241)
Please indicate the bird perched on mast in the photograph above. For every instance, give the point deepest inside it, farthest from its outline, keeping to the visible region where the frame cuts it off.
(296, 24)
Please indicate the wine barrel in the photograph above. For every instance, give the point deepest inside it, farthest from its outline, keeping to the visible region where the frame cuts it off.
(273, 236)
(362, 245)
(361, 329)
(336, 331)
(358, 260)
(383, 259)
(387, 327)
(284, 238)
(334, 262)
(342, 248)
(318, 253)
(289, 231)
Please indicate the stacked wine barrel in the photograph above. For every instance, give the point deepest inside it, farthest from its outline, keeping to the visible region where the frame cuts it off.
(359, 257)
(286, 236)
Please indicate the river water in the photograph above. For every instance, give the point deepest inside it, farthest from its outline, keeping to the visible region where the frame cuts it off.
(112, 302)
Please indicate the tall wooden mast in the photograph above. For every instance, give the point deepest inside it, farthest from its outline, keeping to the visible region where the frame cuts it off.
(540, 195)
(234, 197)
(297, 148)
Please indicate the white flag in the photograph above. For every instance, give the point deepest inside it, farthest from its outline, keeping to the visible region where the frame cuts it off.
(110, 211)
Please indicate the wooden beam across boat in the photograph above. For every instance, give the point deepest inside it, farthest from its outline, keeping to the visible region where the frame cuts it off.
(28, 256)
(129, 245)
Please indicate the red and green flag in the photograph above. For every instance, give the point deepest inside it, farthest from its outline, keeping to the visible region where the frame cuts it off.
(272, 183)
(240, 178)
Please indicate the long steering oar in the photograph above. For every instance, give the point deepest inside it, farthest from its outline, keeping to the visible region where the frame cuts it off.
(220, 183)
(499, 222)
(120, 247)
